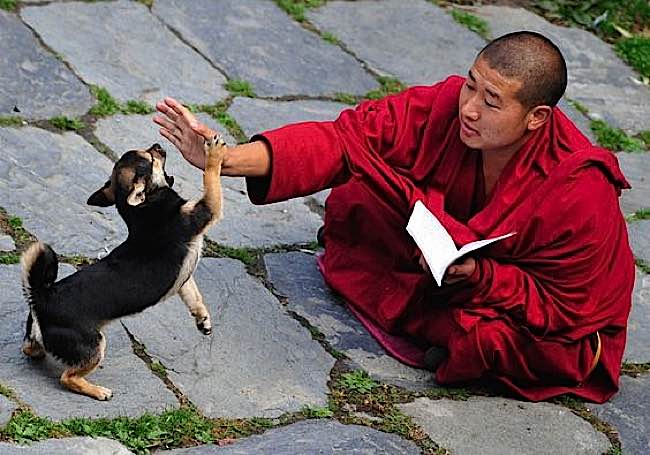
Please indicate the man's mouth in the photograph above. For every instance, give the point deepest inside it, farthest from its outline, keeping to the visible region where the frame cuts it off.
(468, 130)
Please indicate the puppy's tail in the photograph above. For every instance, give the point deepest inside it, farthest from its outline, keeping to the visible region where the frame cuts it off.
(40, 268)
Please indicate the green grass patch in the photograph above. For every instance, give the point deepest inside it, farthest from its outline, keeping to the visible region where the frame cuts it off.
(645, 137)
(9, 258)
(7, 392)
(158, 368)
(240, 88)
(472, 22)
(8, 5)
(219, 113)
(346, 98)
(317, 412)
(641, 214)
(641, 264)
(330, 38)
(579, 107)
(635, 369)
(357, 381)
(636, 52)
(13, 226)
(107, 105)
(67, 124)
(11, 121)
(248, 256)
(615, 139)
(389, 86)
(174, 428)
(298, 8)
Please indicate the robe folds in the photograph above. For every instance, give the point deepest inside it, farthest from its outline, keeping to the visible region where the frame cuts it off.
(530, 314)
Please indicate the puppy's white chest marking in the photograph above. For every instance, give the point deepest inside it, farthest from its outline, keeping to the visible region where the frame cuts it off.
(188, 266)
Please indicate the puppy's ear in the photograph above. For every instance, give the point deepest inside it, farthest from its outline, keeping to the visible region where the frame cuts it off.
(103, 197)
(136, 196)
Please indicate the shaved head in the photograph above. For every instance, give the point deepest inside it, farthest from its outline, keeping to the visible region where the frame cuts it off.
(532, 59)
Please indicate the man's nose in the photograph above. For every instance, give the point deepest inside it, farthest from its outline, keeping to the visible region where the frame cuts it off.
(470, 110)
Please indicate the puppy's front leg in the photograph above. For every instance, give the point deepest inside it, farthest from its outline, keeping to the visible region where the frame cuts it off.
(192, 298)
(215, 150)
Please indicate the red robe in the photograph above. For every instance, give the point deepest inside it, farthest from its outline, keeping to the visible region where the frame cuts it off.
(529, 314)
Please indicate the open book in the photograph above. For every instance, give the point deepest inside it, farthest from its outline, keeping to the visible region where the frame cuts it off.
(436, 244)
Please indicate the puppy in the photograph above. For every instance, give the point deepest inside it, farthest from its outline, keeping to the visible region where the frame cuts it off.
(155, 262)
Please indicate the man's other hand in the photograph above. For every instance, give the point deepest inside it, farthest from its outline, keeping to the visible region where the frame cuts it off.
(459, 272)
(183, 130)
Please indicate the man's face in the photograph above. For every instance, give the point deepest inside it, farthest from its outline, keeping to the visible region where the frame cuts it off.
(491, 118)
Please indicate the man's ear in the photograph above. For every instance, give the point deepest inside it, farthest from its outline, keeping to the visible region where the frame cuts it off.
(538, 116)
(103, 197)
(136, 196)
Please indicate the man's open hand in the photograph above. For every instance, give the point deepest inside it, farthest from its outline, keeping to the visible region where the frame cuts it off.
(183, 130)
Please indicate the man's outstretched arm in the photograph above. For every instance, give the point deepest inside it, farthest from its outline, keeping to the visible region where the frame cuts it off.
(183, 130)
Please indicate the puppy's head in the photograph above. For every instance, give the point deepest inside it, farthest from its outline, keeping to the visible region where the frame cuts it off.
(136, 175)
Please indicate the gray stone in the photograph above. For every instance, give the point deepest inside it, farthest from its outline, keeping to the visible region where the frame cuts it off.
(639, 232)
(313, 436)
(7, 407)
(33, 80)
(629, 412)
(46, 178)
(636, 167)
(413, 40)
(122, 47)
(67, 446)
(243, 224)
(637, 348)
(296, 276)
(135, 389)
(500, 426)
(256, 116)
(257, 42)
(258, 362)
(6, 243)
(598, 79)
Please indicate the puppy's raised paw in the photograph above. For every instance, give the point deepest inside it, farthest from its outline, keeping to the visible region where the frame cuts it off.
(215, 148)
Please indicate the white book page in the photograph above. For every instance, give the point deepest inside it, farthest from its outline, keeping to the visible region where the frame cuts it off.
(436, 244)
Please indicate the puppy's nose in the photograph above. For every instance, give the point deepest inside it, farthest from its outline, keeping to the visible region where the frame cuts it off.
(157, 148)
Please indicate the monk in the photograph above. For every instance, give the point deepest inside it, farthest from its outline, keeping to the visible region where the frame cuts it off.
(543, 312)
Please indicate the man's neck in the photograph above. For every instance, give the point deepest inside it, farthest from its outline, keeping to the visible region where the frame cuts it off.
(494, 161)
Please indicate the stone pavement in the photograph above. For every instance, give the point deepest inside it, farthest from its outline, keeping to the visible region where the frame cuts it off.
(281, 338)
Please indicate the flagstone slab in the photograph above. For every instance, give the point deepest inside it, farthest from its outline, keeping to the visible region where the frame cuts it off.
(6, 243)
(636, 167)
(256, 41)
(639, 232)
(637, 348)
(34, 84)
(258, 362)
(243, 224)
(598, 79)
(135, 389)
(67, 446)
(121, 46)
(7, 407)
(256, 115)
(46, 178)
(312, 436)
(295, 275)
(486, 426)
(412, 40)
(629, 412)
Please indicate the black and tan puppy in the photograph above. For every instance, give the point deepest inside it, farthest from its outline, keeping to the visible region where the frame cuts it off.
(155, 262)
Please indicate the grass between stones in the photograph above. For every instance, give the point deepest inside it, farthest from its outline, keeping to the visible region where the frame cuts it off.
(644, 266)
(9, 5)
(219, 112)
(13, 226)
(13, 121)
(635, 369)
(240, 88)
(472, 22)
(641, 214)
(580, 409)
(615, 139)
(107, 105)
(67, 124)
(298, 8)
(389, 86)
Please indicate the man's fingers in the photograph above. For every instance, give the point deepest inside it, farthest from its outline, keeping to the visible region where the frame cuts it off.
(165, 123)
(173, 139)
(204, 130)
(181, 110)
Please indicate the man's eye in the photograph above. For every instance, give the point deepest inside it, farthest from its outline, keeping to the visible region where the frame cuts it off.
(469, 87)
(487, 103)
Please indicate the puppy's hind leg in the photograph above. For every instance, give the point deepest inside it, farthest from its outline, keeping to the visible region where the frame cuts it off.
(192, 298)
(73, 378)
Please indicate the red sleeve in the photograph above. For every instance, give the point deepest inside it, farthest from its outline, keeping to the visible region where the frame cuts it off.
(576, 277)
